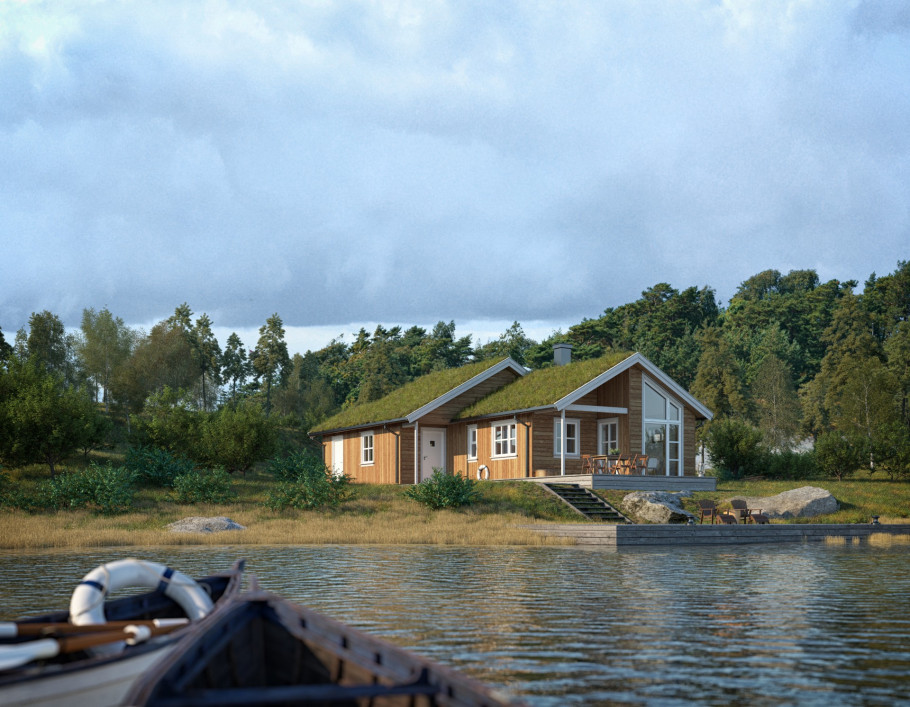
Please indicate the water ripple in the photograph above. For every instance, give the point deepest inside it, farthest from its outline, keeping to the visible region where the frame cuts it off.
(806, 624)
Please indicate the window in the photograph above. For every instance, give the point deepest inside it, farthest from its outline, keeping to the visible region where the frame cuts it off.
(472, 443)
(504, 440)
(662, 431)
(366, 448)
(608, 436)
(573, 428)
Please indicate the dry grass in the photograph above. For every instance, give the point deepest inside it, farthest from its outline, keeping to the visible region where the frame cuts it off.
(376, 515)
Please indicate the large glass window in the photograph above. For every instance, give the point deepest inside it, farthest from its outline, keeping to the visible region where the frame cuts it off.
(573, 429)
(504, 440)
(663, 436)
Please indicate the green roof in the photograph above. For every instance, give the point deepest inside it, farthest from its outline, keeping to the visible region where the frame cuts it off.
(402, 401)
(543, 387)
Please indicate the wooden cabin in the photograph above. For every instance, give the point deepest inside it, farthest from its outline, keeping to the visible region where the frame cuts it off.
(497, 420)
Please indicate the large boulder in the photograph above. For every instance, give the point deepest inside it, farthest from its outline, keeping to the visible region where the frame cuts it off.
(656, 506)
(804, 502)
(199, 524)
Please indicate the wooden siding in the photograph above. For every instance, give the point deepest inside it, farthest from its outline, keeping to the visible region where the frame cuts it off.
(689, 449)
(508, 468)
(383, 470)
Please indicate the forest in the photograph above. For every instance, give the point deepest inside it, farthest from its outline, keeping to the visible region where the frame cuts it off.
(788, 360)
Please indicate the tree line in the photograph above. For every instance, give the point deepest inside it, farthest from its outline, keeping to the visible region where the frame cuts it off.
(788, 358)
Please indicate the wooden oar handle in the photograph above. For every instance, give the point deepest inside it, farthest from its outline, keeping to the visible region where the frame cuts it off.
(11, 629)
(131, 634)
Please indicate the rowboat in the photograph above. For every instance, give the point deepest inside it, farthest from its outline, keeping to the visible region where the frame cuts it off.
(260, 649)
(93, 652)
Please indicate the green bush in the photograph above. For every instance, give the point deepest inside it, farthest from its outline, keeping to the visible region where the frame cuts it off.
(787, 464)
(314, 486)
(157, 466)
(839, 455)
(289, 467)
(236, 437)
(736, 448)
(444, 490)
(104, 489)
(204, 486)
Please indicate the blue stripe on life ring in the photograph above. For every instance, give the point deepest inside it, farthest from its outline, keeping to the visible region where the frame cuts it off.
(97, 585)
(166, 575)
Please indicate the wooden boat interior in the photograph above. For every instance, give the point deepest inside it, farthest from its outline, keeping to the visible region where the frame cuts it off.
(264, 650)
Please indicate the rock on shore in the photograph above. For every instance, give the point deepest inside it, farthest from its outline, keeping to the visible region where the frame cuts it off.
(656, 506)
(198, 524)
(804, 502)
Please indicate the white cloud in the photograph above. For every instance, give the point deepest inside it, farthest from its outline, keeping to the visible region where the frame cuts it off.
(420, 161)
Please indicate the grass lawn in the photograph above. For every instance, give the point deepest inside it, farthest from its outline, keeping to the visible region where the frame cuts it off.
(374, 514)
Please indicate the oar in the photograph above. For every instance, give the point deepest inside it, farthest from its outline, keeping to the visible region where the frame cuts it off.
(11, 629)
(22, 653)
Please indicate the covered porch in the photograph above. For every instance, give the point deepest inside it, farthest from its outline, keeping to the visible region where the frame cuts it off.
(624, 482)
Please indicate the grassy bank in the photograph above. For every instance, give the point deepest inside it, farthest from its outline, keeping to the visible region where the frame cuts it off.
(373, 515)
(859, 499)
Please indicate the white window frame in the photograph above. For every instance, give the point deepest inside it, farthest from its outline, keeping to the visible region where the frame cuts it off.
(557, 430)
(472, 443)
(367, 449)
(510, 439)
(602, 450)
(667, 423)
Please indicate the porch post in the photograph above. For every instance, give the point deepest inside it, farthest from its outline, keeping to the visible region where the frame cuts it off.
(562, 445)
(417, 452)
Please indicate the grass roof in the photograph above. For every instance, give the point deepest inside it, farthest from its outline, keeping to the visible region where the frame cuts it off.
(543, 387)
(402, 401)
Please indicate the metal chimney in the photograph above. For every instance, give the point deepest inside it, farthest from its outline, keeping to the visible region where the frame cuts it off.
(562, 354)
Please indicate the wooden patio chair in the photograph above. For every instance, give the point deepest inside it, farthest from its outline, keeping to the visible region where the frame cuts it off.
(641, 464)
(587, 466)
(707, 509)
(727, 518)
(623, 465)
(740, 510)
(600, 465)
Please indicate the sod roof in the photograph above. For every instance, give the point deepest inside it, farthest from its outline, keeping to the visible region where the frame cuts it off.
(543, 387)
(402, 401)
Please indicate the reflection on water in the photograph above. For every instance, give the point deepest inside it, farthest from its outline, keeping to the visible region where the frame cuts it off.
(805, 624)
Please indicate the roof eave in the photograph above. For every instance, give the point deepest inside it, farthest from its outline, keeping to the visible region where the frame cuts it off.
(363, 426)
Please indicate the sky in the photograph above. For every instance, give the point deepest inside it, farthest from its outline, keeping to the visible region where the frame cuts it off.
(351, 163)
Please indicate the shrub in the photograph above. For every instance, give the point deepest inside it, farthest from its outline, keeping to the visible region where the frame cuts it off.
(157, 466)
(236, 437)
(204, 486)
(313, 487)
(788, 464)
(288, 468)
(444, 490)
(736, 448)
(838, 455)
(104, 489)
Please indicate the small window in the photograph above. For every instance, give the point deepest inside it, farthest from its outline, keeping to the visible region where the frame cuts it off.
(366, 448)
(472, 443)
(504, 440)
(572, 437)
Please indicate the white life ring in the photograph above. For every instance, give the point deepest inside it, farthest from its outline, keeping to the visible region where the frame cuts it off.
(483, 472)
(87, 602)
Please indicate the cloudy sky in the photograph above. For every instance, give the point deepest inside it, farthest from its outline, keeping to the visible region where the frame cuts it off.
(404, 162)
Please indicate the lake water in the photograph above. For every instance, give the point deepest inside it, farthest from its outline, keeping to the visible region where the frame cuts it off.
(790, 624)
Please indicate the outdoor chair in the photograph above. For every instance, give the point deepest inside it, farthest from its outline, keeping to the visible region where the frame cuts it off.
(641, 464)
(727, 518)
(740, 510)
(760, 518)
(707, 509)
(587, 466)
(653, 466)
